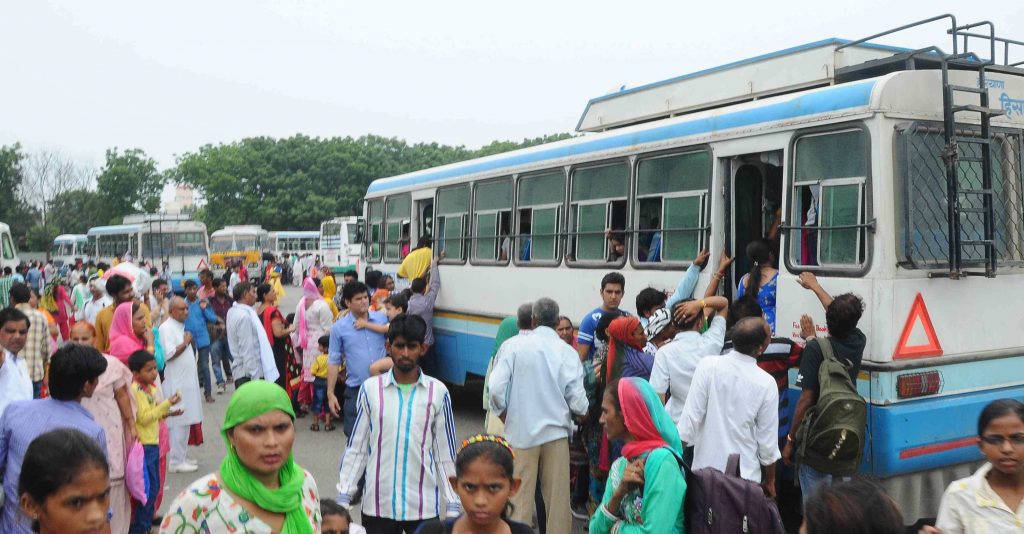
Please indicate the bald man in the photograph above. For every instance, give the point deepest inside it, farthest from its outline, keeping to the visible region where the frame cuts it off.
(181, 375)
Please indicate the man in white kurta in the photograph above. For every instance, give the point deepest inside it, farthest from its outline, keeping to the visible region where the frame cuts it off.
(181, 375)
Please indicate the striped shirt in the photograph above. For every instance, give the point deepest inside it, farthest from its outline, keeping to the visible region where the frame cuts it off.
(23, 422)
(403, 440)
(37, 344)
(5, 290)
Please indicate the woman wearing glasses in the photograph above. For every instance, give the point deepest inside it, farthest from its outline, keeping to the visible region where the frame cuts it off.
(990, 500)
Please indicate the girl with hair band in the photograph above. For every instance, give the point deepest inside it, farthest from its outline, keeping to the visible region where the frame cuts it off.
(761, 281)
(259, 487)
(646, 488)
(483, 479)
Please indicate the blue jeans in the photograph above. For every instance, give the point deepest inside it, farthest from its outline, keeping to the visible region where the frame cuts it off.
(143, 521)
(37, 389)
(204, 371)
(319, 396)
(350, 409)
(812, 480)
(221, 354)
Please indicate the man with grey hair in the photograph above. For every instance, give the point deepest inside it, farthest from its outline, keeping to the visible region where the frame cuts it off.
(181, 376)
(520, 324)
(537, 405)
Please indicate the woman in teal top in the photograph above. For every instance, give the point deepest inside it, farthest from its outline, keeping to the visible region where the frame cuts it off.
(645, 488)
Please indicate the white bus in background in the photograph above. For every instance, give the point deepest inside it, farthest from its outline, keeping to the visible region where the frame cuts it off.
(341, 241)
(169, 242)
(8, 254)
(301, 243)
(243, 242)
(69, 249)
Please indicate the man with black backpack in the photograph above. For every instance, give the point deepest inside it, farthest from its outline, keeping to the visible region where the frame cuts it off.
(829, 424)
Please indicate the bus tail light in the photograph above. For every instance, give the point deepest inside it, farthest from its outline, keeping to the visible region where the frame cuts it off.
(913, 385)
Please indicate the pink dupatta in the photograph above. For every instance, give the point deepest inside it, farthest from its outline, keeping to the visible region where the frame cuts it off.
(310, 294)
(123, 341)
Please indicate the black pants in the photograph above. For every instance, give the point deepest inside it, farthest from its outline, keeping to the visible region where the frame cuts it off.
(240, 381)
(383, 525)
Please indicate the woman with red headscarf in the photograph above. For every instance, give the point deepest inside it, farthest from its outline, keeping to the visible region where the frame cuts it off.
(646, 488)
(127, 331)
(626, 356)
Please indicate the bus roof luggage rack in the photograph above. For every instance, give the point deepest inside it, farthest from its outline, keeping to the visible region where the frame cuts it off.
(967, 202)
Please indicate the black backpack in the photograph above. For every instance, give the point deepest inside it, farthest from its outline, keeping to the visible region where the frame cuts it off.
(725, 503)
(832, 438)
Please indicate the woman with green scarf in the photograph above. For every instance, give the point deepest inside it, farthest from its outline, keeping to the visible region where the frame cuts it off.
(646, 488)
(259, 488)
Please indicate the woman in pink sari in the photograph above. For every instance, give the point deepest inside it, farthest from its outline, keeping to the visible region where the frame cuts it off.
(314, 318)
(127, 330)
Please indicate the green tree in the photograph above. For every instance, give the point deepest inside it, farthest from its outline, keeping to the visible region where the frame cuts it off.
(40, 237)
(74, 212)
(13, 209)
(129, 183)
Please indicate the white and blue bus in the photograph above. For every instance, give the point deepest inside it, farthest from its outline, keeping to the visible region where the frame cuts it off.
(341, 244)
(301, 243)
(69, 249)
(172, 243)
(847, 139)
(8, 253)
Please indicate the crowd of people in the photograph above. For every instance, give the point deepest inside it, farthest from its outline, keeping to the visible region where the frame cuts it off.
(102, 390)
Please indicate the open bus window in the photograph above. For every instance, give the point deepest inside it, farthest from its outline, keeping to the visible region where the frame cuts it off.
(671, 199)
(396, 226)
(540, 200)
(375, 218)
(598, 202)
(829, 181)
(492, 213)
(452, 209)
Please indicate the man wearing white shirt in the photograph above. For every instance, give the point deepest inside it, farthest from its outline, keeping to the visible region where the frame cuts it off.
(252, 356)
(181, 376)
(538, 404)
(100, 299)
(676, 361)
(732, 408)
(15, 384)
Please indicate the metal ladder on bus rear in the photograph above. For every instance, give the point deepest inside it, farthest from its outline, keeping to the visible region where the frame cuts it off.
(965, 199)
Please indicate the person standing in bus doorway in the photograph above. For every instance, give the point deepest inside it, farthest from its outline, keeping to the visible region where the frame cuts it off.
(358, 347)
(415, 265)
(841, 316)
(200, 314)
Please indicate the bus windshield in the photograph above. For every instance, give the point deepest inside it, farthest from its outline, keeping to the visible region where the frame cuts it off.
(330, 236)
(355, 234)
(189, 244)
(222, 243)
(245, 242)
(62, 249)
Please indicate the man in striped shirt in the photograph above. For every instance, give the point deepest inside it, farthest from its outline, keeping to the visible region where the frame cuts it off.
(403, 440)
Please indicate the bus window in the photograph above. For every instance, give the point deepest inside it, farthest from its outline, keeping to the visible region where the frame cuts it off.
(540, 201)
(375, 215)
(396, 227)
(829, 179)
(189, 244)
(450, 222)
(8, 247)
(354, 233)
(598, 202)
(671, 199)
(492, 214)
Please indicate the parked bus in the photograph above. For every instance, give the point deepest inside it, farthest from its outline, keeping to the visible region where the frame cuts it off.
(8, 253)
(69, 249)
(340, 244)
(301, 243)
(244, 243)
(173, 243)
(852, 143)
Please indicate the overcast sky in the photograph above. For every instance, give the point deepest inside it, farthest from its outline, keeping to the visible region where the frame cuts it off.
(167, 77)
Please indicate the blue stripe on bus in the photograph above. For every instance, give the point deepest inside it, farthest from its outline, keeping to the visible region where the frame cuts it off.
(833, 99)
(914, 427)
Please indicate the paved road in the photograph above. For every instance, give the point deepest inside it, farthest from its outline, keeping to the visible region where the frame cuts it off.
(318, 452)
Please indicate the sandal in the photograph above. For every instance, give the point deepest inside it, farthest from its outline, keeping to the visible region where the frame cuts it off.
(328, 427)
(315, 427)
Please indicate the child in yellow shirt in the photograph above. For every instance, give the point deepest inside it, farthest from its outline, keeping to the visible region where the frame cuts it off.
(319, 372)
(148, 415)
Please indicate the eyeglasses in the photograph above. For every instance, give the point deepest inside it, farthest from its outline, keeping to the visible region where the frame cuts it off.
(1017, 440)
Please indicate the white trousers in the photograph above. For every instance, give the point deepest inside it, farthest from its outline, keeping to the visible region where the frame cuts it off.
(179, 444)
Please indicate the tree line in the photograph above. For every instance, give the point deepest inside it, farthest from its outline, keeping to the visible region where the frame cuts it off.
(292, 183)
